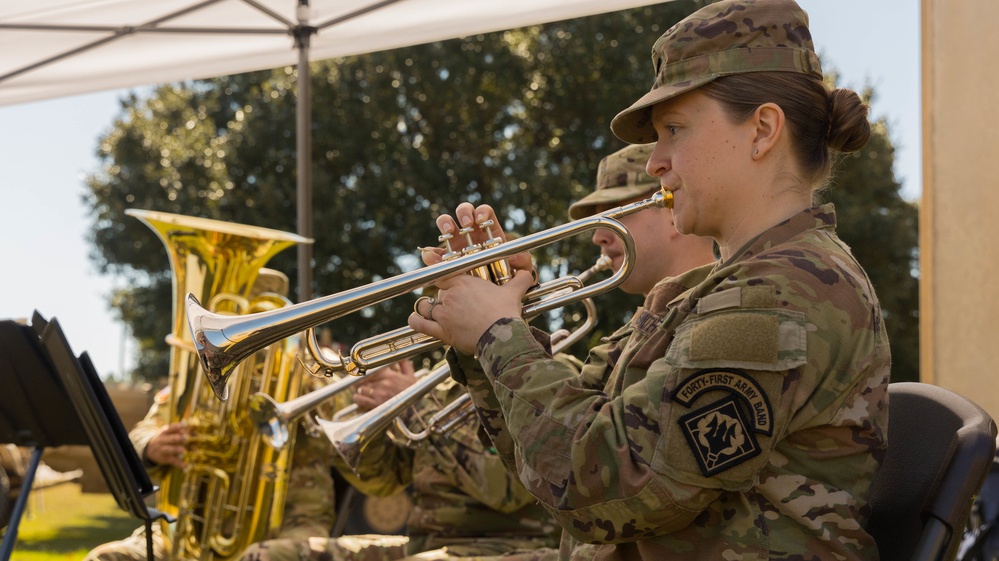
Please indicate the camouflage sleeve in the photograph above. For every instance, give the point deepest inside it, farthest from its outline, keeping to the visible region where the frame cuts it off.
(479, 471)
(488, 408)
(309, 507)
(563, 432)
(466, 370)
(594, 372)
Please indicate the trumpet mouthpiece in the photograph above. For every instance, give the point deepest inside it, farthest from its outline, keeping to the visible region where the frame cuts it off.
(667, 197)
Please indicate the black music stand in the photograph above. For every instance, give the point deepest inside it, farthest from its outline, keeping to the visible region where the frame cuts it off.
(49, 397)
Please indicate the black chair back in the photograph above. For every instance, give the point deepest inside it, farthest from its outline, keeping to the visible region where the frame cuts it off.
(940, 448)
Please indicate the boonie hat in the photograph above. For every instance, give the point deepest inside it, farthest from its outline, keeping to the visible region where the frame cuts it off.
(720, 39)
(620, 177)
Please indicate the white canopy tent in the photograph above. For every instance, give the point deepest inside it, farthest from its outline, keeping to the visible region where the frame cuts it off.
(53, 48)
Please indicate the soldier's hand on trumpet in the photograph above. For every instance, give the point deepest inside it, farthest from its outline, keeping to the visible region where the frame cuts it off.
(482, 226)
(466, 305)
(381, 384)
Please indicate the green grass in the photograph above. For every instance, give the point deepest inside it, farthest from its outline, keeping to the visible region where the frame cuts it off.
(63, 524)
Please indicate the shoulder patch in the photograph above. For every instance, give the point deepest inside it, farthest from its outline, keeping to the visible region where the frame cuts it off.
(728, 298)
(718, 436)
(737, 297)
(732, 381)
(753, 337)
(721, 434)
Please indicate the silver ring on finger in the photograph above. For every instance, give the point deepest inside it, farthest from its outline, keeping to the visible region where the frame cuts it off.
(430, 312)
(416, 306)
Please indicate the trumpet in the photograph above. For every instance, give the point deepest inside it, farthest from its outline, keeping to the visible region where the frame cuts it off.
(352, 436)
(223, 341)
(454, 414)
(273, 419)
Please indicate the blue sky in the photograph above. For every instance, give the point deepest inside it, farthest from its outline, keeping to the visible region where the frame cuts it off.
(47, 147)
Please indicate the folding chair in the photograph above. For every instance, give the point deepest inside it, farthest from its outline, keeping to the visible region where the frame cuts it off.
(940, 448)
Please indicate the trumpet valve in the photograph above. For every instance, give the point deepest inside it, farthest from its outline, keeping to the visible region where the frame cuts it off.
(450, 253)
(492, 241)
(499, 271)
(470, 246)
(482, 271)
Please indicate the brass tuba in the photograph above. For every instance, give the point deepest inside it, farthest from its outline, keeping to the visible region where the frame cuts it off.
(233, 488)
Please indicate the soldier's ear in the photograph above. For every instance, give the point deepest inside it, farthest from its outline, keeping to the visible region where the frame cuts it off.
(768, 128)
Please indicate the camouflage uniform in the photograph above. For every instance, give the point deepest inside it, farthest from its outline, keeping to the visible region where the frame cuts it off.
(465, 502)
(740, 415)
(309, 505)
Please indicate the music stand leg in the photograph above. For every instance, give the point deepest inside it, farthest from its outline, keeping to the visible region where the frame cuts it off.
(22, 499)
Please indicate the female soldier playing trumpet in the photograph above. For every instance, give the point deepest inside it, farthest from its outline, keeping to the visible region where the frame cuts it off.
(465, 503)
(744, 415)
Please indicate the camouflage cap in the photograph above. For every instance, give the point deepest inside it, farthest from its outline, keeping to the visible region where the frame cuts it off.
(720, 39)
(620, 177)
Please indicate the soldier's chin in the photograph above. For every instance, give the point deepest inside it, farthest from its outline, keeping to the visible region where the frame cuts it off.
(629, 288)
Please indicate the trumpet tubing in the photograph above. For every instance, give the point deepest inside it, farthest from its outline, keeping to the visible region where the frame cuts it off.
(352, 436)
(223, 341)
(273, 419)
(442, 423)
(450, 417)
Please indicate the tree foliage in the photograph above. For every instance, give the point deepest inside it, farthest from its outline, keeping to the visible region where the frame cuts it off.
(517, 119)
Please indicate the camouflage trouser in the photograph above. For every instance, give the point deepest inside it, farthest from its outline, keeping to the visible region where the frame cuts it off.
(132, 548)
(393, 548)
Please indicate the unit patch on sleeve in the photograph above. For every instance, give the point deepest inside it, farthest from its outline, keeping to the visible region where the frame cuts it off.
(721, 433)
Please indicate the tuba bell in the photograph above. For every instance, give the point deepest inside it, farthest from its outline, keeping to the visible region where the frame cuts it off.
(233, 488)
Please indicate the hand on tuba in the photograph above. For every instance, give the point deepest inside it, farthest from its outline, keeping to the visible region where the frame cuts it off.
(168, 446)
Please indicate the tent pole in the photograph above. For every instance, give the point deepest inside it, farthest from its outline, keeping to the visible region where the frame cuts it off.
(303, 127)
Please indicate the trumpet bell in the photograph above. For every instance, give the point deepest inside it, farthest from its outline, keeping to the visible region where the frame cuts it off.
(217, 365)
(265, 414)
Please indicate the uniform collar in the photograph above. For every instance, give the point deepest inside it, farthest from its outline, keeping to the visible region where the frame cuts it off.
(822, 217)
(672, 288)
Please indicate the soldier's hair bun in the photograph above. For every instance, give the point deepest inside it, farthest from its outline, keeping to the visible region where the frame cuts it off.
(849, 129)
